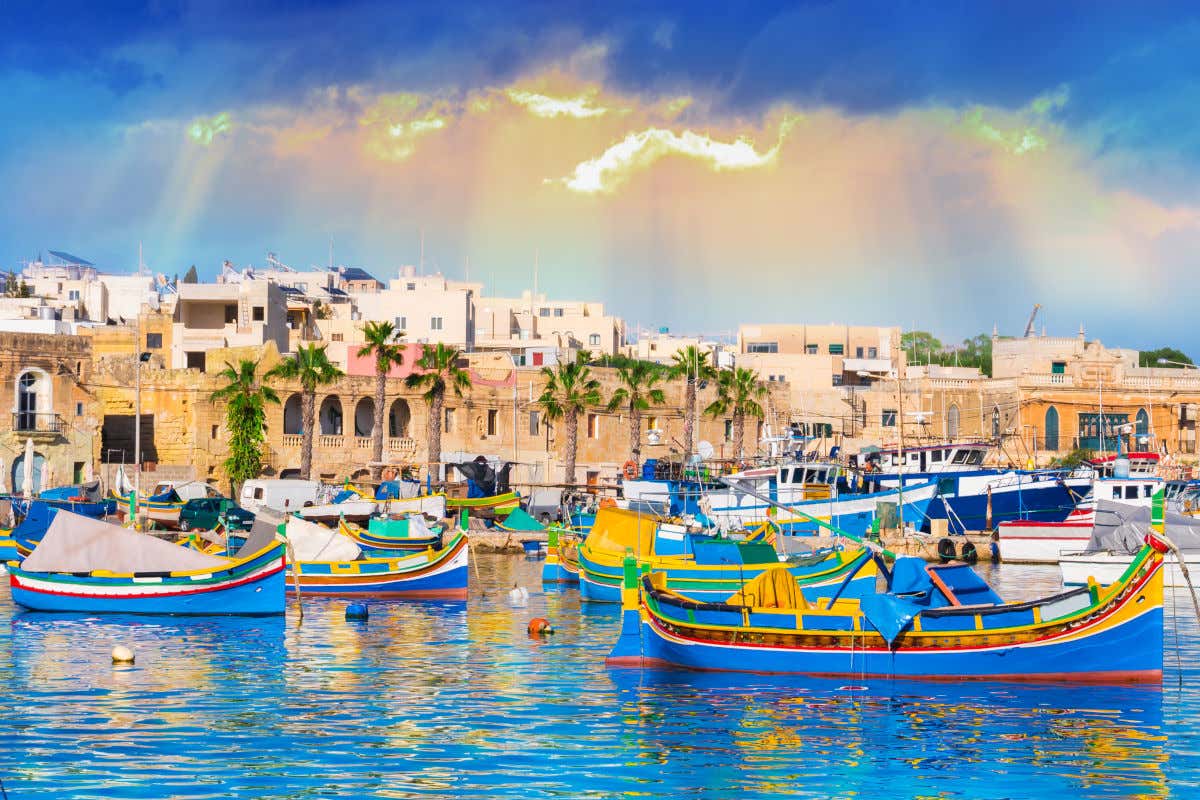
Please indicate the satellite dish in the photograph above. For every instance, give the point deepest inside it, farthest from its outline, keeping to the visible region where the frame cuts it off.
(705, 450)
(654, 436)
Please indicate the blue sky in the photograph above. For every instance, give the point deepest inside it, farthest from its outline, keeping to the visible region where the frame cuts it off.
(693, 165)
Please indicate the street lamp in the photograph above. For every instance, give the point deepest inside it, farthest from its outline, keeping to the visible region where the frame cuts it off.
(135, 511)
(862, 373)
(1165, 361)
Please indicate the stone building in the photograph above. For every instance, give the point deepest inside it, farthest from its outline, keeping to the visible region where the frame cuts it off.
(51, 405)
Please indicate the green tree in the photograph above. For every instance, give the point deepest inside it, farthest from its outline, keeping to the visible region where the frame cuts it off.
(246, 396)
(1149, 358)
(313, 369)
(638, 391)
(921, 347)
(739, 392)
(381, 340)
(691, 364)
(570, 390)
(438, 371)
(191, 276)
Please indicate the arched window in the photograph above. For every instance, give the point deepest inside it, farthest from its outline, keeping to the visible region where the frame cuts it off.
(293, 415)
(1051, 434)
(995, 422)
(952, 422)
(1141, 423)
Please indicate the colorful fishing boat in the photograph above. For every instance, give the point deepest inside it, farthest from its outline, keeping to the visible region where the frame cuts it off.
(85, 499)
(431, 505)
(87, 565)
(561, 564)
(385, 537)
(498, 505)
(161, 510)
(348, 504)
(431, 574)
(700, 565)
(935, 621)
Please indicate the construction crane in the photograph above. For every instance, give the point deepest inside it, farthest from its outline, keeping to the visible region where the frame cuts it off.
(1032, 317)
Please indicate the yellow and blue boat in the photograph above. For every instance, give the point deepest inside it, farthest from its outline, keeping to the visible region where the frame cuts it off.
(934, 621)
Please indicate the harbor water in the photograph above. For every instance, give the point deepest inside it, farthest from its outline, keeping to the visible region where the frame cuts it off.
(454, 699)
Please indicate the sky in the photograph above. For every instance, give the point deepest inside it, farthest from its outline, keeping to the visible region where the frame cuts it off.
(692, 165)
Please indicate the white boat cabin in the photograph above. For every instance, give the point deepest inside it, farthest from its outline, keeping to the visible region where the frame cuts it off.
(1141, 465)
(925, 459)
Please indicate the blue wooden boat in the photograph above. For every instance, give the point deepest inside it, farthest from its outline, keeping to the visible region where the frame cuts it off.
(389, 537)
(86, 565)
(85, 499)
(430, 574)
(941, 622)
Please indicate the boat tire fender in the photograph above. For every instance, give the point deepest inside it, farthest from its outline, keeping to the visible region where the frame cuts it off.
(968, 553)
(946, 550)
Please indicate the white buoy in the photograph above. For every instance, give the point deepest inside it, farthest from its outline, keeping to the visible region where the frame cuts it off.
(519, 597)
(122, 655)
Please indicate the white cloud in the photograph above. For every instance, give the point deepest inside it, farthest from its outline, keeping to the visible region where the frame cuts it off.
(542, 105)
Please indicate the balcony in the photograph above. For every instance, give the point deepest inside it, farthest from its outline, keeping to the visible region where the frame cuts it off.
(45, 424)
(396, 448)
(1055, 379)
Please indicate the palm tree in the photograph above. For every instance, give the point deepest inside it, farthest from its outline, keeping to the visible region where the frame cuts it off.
(691, 363)
(245, 396)
(638, 391)
(738, 393)
(380, 339)
(439, 371)
(570, 389)
(312, 367)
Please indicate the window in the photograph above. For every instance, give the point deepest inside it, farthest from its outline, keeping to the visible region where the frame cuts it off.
(762, 347)
(543, 312)
(995, 422)
(1116, 493)
(77, 472)
(836, 349)
(960, 457)
(975, 457)
(435, 323)
(534, 427)
(1058, 368)
(558, 312)
(412, 287)
(651, 423)
(872, 352)
(1131, 492)
(216, 429)
(889, 418)
(195, 360)
(837, 379)
(153, 341)
(73, 294)
(952, 422)
(810, 349)
(593, 426)
(401, 323)
(337, 337)
(258, 493)
(1141, 423)
(729, 430)
(230, 315)
(935, 456)
(858, 352)
(449, 420)
(1147, 491)
(258, 313)
(493, 419)
(1092, 429)
(594, 339)
(79, 409)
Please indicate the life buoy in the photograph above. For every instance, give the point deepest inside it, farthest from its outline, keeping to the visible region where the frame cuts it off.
(629, 470)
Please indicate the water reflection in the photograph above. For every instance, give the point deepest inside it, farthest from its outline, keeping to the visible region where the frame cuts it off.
(453, 699)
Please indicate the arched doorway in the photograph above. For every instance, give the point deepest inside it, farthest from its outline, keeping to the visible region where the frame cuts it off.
(18, 473)
(399, 419)
(995, 422)
(364, 417)
(329, 418)
(1051, 435)
(293, 415)
(952, 422)
(33, 387)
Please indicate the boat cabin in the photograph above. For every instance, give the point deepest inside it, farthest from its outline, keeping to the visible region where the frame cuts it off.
(1143, 465)
(965, 457)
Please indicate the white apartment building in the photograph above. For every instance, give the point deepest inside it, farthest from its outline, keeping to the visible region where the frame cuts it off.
(214, 315)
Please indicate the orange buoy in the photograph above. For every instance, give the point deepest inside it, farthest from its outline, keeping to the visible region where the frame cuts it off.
(540, 626)
(608, 502)
(629, 470)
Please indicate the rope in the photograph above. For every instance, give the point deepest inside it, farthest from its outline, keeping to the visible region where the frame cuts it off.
(1183, 569)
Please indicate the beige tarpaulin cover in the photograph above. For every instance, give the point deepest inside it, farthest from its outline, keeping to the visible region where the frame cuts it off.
(74, 543)
(313, 542)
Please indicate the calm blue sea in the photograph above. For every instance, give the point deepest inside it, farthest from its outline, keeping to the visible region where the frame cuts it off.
(455, 700)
